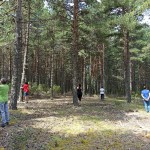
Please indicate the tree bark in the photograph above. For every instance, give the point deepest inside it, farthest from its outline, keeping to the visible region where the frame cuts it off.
(17, 58)
(23, 78)
(127, 66)
(75, 52)
(101, 49)
(63, 83)
(10, 64)
(90, 77)
(52, 74)
(84, 76)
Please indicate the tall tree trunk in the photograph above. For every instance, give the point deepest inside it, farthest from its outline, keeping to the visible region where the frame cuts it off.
(3, 60)
(84, 74)
(52, 64)
(17, 58)
(127, 65)
(10, 63)
(23, 78)
(131, 79)
(63, 83)
(52, 74)
(101, 48)
(75, 51)
(90, 77)
(37, 65)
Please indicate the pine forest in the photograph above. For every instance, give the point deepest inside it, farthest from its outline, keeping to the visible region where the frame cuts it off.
(56, 45)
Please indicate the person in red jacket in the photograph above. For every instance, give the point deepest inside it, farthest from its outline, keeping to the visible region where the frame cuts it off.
(25, 88)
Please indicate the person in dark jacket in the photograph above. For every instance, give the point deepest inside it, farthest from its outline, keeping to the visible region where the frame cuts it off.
(79, 92)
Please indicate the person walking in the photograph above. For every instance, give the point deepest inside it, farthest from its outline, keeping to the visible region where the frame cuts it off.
(79, 92)
(4, 89)
(145, 93)
(25, 88)
(102, 92)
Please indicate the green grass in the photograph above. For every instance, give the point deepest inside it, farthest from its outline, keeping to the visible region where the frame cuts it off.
(94, 125)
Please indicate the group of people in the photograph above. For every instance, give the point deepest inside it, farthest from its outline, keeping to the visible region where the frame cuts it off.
(4, 90)
(79, 92)
(145, 93)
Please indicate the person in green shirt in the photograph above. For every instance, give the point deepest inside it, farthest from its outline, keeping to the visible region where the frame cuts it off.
(4, 89)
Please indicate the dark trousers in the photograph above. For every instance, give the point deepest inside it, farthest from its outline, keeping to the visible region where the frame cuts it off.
(102, 96)
(79, 96)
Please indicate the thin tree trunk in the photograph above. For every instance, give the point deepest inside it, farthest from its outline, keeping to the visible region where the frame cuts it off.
(37, 65)
(63, 83)
(102, 48)
(75, 52)
(3, 60)
(127, 66)
(131, 79)
(10, 62)
(52, 74)
(90, 76)
(52, 64)
(17, 58)
(84, 74)
(23, 78)
(103, 64)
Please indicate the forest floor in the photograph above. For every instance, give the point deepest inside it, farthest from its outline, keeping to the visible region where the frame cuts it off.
(56, 124)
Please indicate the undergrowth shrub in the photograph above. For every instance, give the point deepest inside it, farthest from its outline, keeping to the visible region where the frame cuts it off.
(33, 88)
(38, 89)
(56, 90)
(42, 89)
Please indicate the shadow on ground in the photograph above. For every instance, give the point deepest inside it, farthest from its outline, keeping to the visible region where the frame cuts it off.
(63, 107)
(29, 138)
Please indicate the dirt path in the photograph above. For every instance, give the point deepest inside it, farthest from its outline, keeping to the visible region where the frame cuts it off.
(58, 125)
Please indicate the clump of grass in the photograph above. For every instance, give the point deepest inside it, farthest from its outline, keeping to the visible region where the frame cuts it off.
(121, 104)
(84, 141)
(57, 142)
(21, 139)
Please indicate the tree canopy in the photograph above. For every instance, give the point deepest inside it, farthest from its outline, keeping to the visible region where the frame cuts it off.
(108, 44)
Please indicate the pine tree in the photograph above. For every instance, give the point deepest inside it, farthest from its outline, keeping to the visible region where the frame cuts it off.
(17, 59)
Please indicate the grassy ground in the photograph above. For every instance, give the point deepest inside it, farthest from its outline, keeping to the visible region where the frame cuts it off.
(95, 125)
